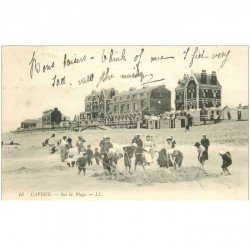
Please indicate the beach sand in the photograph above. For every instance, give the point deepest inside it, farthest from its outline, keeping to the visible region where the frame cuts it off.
(29, 171)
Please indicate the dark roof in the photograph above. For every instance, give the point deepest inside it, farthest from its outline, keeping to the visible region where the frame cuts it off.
(30, 121)
(92, 94)
(107, 92)
(137, 91)
(198, 78)
(183, 82)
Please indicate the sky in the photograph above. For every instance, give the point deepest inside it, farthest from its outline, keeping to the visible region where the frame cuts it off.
(26, 97)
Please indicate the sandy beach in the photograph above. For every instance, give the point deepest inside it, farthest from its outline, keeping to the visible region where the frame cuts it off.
(29, 171)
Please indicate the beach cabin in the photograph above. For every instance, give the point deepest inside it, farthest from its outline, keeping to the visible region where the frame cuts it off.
(39, 124)
(167, 120)
(194, 117)
(153, 122)
(243, 112)
(29, 124)
(64, 124)
(230, 113)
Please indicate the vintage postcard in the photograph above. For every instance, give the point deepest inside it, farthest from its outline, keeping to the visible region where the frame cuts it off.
(125, 122)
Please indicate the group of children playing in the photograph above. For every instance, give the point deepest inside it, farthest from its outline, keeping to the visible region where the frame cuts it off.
(86, 156)
(109, 158)
(202, 149)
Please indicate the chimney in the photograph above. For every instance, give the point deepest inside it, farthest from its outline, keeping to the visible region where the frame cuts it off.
(185, 77)
(55, 109)
(203, 76)
(112, 92)
(213, 78)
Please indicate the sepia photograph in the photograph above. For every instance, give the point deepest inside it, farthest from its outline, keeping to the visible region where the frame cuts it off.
(125, 122)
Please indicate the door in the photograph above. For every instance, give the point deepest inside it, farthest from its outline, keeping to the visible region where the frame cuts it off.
(183, 123)
(239, 115)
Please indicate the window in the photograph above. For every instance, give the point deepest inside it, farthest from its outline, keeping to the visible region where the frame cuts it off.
(122, 108)
(136, 107)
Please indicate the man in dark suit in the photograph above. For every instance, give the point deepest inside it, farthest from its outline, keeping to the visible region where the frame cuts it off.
(138, 141)
(205, 143)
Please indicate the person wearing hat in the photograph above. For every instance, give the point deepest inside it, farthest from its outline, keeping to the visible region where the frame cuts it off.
(102, 145)
(108, 144)
(105, 145)
(169, 152)
(137, 140)
(173, 142)
(110, 160)
(226, 162)
(165, 158)
(137, 144)
(205, 143)
(201, 156)
(81, 163)
(80, 144)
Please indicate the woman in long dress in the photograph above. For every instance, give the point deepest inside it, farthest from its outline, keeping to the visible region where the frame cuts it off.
(201, 153)
(64, 149)
(169, 152)
(165, 158)
(149, 147)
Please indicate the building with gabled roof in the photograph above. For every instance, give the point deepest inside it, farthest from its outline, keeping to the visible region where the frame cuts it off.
(29, 123)
(198, 90)
(153, 100)
(97, 104)
(51, 117)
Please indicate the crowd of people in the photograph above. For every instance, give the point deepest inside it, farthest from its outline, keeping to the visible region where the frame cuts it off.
(143, 151)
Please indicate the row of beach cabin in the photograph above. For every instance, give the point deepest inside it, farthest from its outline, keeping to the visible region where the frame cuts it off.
(53, 119)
